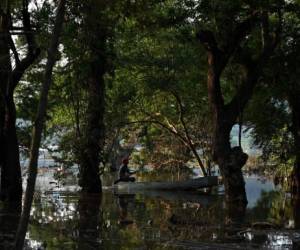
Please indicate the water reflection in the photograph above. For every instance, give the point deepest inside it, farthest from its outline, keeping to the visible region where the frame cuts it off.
(90, 222)
(9, 219)
(123, 201)
(162, 220)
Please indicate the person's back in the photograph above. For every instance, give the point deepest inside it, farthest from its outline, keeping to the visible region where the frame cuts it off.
(124, 171)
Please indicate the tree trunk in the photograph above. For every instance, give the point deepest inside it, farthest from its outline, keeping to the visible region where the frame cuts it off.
(231, 169)
(93, 138)
(38, 126)
(230, 160)
(234, 214)
(11, 181)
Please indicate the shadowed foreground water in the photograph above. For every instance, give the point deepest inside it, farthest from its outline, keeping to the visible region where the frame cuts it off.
(164, 220)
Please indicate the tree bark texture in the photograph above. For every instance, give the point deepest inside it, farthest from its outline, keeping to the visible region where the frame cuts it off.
(93, 139)
(39, 125)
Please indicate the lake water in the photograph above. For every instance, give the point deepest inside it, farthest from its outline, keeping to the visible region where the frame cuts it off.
(164, 220)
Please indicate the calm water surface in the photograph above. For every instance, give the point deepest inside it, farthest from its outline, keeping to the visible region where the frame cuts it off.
(164, 220)
(161, 220)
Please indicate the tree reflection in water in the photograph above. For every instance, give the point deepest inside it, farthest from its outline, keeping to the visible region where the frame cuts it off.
(274, 221)
(9, 219)
(152, 222)
(90, 222)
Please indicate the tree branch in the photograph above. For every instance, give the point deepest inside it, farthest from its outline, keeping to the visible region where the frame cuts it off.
(187, 134)
(166, 127)
(252, 70)
(14, 50)
(216, 64)
(240, 32)
(207, 38)
(33, 50)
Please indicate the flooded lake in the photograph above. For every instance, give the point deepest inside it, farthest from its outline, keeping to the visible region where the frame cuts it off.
(164, 220)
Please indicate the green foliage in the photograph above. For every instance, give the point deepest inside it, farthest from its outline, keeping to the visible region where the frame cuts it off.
(150, 56)
(152, 66)
(270, 112)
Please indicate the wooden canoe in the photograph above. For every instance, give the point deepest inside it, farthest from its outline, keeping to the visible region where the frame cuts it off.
(192, 184)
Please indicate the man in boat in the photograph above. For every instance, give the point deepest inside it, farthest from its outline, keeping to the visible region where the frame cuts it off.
(124, 172)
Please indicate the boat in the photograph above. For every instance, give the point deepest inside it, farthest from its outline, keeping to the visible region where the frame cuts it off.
(192, 184)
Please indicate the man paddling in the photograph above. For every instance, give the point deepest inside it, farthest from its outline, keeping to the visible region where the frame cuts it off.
(124, 172)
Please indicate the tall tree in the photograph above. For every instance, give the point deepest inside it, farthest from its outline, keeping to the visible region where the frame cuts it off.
(39, 125)
(95, 37)
(12, 69)
(225, 115)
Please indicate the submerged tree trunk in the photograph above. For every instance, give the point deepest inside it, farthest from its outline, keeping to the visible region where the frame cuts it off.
(38, 126)
(230, 160)
(234, 214)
